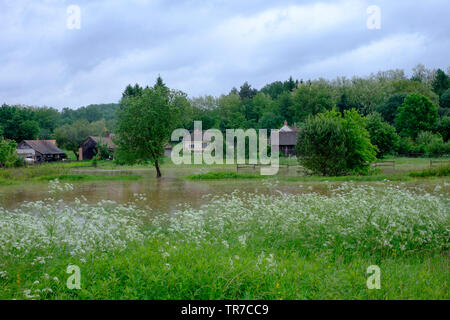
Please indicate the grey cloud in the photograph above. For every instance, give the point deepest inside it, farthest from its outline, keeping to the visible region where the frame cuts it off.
(205, 47)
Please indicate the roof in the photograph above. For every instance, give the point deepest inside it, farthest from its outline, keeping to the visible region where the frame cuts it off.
(105, 140)
(44, 146)
(287, 138)
(198, 136)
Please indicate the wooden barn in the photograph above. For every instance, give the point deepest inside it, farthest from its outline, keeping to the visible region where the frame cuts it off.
(89, 148)
(40, 151)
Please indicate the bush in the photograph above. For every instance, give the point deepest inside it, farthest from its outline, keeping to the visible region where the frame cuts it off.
(405, 146)
(443, 128)
(431, 144)
(443, 171)
(331, 145)
(382, 134)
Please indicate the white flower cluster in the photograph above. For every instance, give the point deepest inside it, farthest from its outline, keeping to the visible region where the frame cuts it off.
(77, 230)
(352, 218)
(56, 186)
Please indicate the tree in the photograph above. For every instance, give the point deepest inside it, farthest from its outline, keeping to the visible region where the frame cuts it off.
(8, 153)
(70, 136)
(311, 99)
(145, 124)
(443, 128)
(382, 134)
(441, 82)
(388, 109)
(444, 101)
(331, 145)
(269, 120)
(417, 113)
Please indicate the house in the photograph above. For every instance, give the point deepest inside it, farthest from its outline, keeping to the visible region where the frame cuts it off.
(287, 139)
(89, 148)
(40, 151)
(197, 141)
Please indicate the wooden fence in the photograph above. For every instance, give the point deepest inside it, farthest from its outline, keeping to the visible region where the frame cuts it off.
(387, 163)
(437, 163)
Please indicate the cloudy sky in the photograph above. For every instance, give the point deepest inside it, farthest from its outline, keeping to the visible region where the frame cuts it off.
(205, 47)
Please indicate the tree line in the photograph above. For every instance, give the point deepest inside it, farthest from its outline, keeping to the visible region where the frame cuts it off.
(414, 110)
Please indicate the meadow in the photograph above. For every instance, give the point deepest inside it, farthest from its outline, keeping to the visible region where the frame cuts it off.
(235, 246)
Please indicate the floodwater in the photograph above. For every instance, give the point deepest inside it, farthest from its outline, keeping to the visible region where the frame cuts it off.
(163, 194)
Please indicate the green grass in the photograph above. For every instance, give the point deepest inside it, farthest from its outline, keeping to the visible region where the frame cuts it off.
(443, 171)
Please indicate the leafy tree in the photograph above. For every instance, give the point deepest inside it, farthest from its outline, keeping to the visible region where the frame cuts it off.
(388, 109)
(311, 100)
(444, 101)
(360, 151)
(417, 113)
(70, 136)
(331, 145)
(8, 153)
(441, 82)
(431, 144)
(270, 120)
(382, 134)
(443, 128)
(321, 145)
(145, 125)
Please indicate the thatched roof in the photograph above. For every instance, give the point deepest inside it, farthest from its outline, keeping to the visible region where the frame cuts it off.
(42, 146)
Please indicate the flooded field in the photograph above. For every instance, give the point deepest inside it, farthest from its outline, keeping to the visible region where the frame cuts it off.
(174, 189)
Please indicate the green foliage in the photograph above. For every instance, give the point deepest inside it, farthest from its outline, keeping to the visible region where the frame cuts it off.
(311, 99)
(70, 136)
(417, 113)
(382, 134)
(441, 82)
(443, 127)
(146, 123)
(388, 109)
(331, 145)
(432, 144)
(321, 145)
(8, 154)
(442, 171)
(444, 101)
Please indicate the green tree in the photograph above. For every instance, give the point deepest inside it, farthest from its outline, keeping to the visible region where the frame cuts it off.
(331, 145)
(444, 101)
(417, 113)
(8, 153)
(311, 99)
(388, 109)
(382, 134)
(443, 128)
(70, 136)
(145, 124)
(441, 82)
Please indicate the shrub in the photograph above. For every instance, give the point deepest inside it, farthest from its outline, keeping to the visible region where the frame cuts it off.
(382, 134)
(331, 145)
(431, 144)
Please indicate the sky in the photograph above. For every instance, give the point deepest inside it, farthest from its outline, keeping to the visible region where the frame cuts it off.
(51, 55)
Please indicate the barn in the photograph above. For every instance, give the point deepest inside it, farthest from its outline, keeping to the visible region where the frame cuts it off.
(89, 148)
(40, 150)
